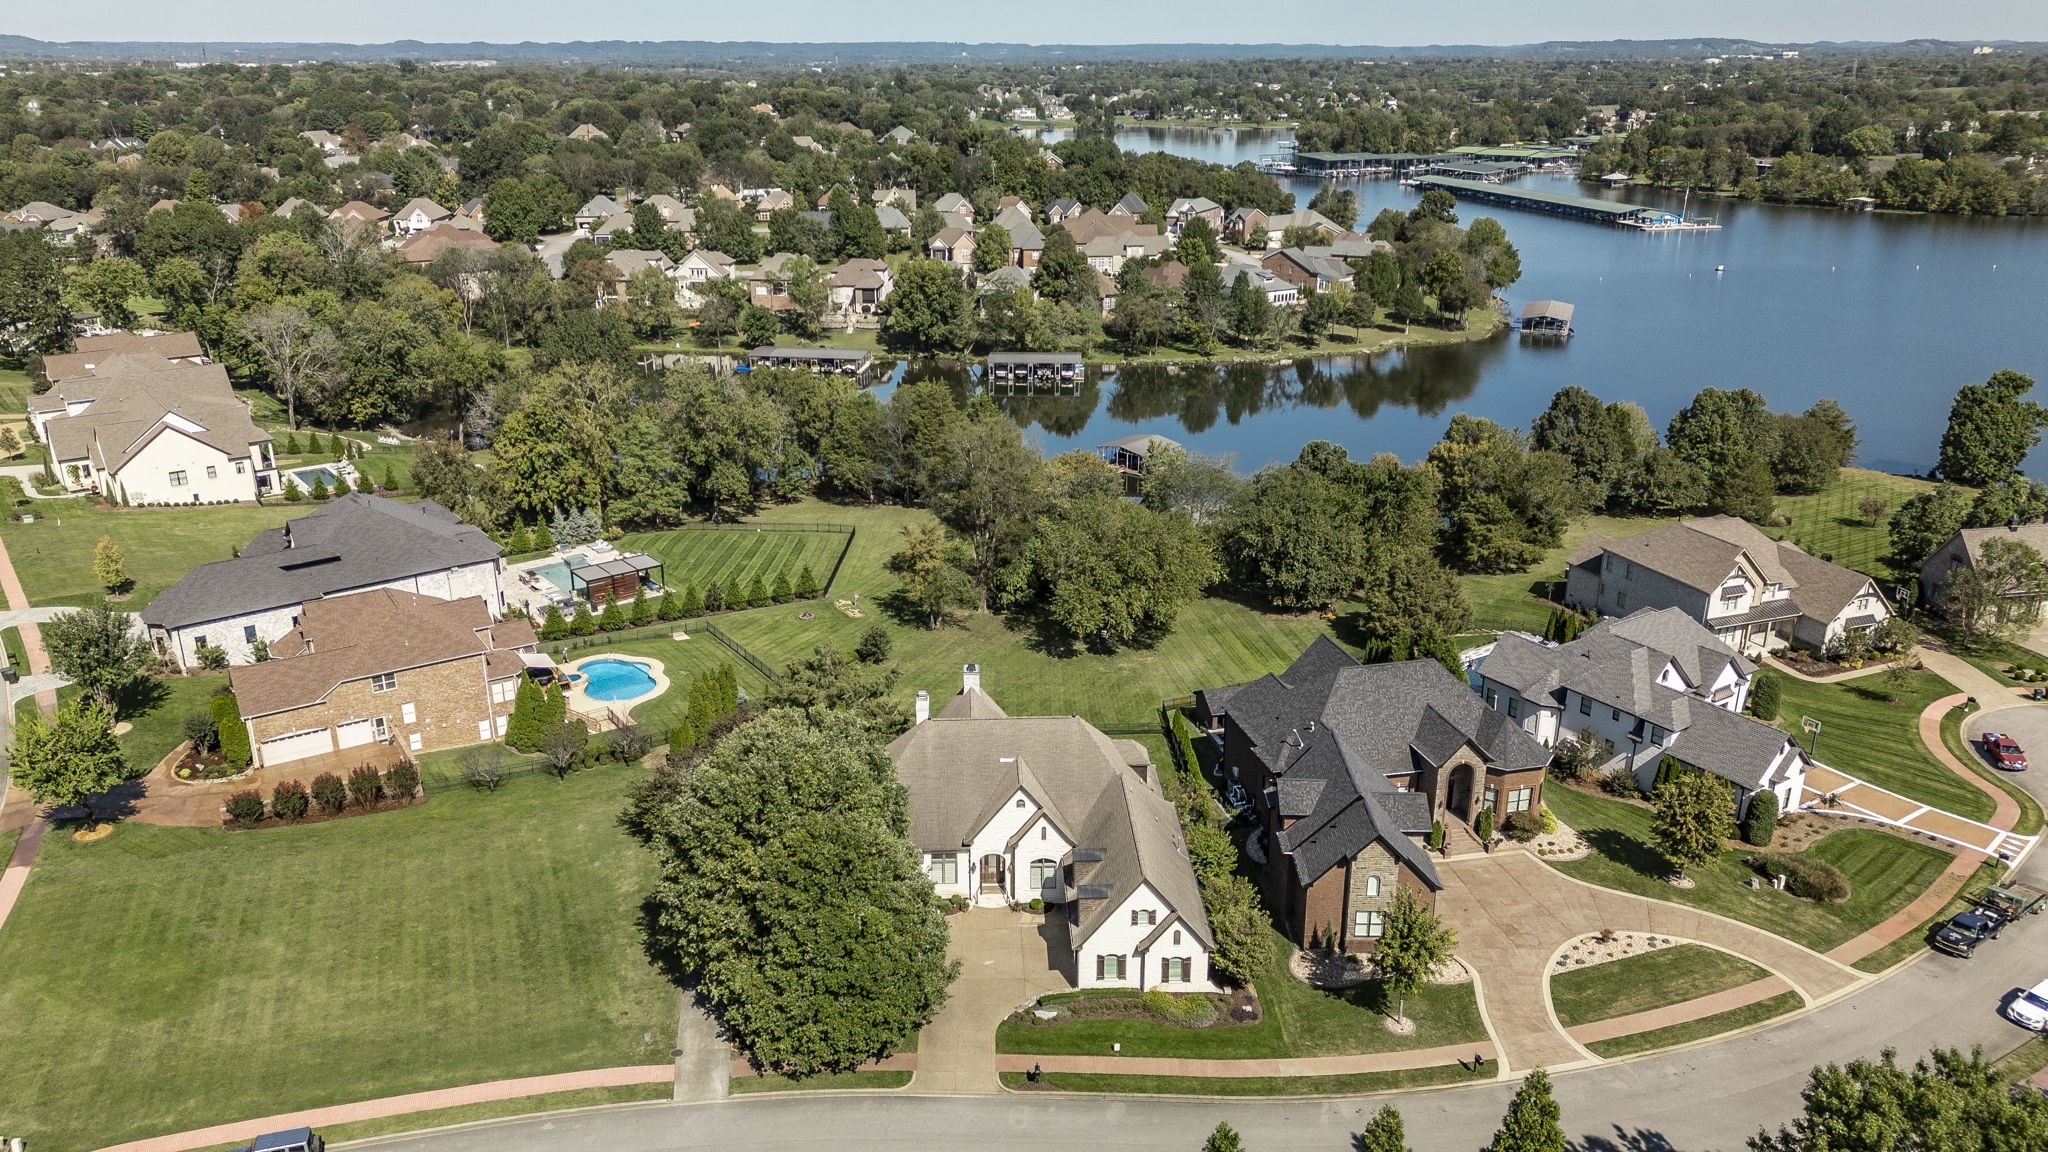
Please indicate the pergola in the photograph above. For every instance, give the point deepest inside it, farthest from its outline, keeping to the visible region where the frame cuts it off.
(618, 580)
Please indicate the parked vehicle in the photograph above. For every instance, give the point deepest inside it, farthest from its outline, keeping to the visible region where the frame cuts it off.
(2004, 752)
(289, 1140)
(1961, 935)
(2029, 1009)
(2012, 901)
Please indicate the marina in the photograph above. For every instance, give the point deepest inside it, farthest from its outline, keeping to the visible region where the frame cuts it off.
(1612, 212)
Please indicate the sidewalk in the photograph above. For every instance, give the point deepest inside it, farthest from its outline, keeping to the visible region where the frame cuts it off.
(1236, 1069)
(1683, 1013)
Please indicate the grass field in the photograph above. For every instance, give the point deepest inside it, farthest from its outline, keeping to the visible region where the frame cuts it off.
(497, 1109)
(157, 709)
(1298, 1021)
(171, 978)
(1885, 872)
(1691, 1030)
(53, 556)
(1866, 735)
(734, 557)
(1830, 525)
(1260, 1085)
(1652, 980)
(1919, 939)
(17, 652)
(829, 1082)
(1510, 601)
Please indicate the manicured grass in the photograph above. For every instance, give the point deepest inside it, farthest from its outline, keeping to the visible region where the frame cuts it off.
(17, 652)
(14, 391)
(1920, 938)
(1652, 980)
(1829, 524)
(1691, 1030)
(1298, 1021)
(1885, 872)
(680, 660)
(1260, 1085)
(53, 556)
(157, 709)
(2025, 1060)
(829, 1082)
(1866, 735)
(7, 839)
(734, 557)
(496, 1109)
(1509, 601)
(171, 978)
(1952, 738)
(1215, 642)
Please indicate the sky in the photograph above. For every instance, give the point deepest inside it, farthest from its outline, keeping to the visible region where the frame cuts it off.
(1130, 21)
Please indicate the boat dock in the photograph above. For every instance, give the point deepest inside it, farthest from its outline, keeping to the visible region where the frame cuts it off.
(1611, 212)
(841, 361)
(1013, 370)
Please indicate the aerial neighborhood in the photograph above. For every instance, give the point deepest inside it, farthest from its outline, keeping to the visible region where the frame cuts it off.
(541, 595)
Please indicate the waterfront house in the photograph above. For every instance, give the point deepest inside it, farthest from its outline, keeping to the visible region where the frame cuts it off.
(1966, 548)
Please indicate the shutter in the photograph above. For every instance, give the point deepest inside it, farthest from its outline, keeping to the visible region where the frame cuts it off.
(1098, 967)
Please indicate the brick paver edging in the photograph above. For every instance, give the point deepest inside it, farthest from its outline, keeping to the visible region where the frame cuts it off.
(1363, 1062)
(402, 1105)
(1685, 1012)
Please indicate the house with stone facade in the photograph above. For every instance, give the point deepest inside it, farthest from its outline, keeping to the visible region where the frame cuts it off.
(384, 667)
(1346, 767)
(1756, 594)
(357, 543)
(1016, 808)
(1653, 684)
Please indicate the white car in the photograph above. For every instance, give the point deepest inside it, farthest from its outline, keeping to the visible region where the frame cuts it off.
(2029, 1009)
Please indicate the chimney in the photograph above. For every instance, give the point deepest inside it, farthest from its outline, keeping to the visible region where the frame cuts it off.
(970, 677)
(288, 534)
(924, 705)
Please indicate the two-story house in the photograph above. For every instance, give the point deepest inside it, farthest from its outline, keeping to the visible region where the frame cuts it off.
(1306, 271)
(859, 286)
(1965, 549)
(1653, 684)
(954, 246)
(1348, 765)
(418, 215)
(698, 268)
(138, 428)
(1754, 593)
(1009, 808)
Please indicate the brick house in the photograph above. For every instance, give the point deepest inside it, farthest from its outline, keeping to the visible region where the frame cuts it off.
(383, 667)
(1347, 765)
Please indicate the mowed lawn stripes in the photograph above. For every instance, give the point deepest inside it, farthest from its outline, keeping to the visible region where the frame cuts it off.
(732, 558)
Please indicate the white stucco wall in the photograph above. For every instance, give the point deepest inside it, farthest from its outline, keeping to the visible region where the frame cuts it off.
(146, 476)
(1119, 937)
(994, 839)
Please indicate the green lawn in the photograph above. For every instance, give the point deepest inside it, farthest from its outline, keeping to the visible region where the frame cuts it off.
(1885, 872)
(1261, 1085)
(1298, 1021)
(497, 1109)
(1652, 980)
(680, 660)
(17, 652)
(14, 391)
(157, 709)
(1830, 525)
(53, 556)
(1952, 738)
(734, 557)
(829, 1082)
(1510, 601)
(1691, 1030)
(1921, 937)
(172, 978)
(1866, 735)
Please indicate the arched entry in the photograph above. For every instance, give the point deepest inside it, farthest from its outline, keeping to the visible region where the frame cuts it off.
(992, 872)
(1458, 796)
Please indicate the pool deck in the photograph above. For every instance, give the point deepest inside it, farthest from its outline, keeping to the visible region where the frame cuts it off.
(600, 712)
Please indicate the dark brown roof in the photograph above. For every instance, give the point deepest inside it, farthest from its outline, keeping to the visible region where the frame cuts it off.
(358, 636)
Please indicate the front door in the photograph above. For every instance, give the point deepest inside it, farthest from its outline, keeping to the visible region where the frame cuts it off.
(1458, 798)
(992, 872)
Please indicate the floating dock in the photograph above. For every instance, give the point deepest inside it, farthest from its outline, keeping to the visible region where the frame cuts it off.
(1611, 212)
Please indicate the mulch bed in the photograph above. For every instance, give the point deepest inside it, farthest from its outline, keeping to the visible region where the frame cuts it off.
(206, 769)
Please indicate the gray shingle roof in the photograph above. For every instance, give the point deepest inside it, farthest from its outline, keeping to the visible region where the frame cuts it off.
(357, 541)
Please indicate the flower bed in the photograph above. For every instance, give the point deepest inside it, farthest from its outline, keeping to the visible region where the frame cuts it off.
(1610, 946)
(1180, 1009)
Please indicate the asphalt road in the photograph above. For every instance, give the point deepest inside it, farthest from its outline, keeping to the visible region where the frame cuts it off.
(1707, 1099)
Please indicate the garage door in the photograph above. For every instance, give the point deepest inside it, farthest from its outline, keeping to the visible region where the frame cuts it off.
(353, 734)
(296, 746)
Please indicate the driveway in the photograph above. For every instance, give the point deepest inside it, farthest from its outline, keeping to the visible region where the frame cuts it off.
(1007, 959)
(1513, 913)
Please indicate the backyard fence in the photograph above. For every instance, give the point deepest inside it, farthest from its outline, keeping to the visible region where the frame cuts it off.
(662, 631)
(740, 650)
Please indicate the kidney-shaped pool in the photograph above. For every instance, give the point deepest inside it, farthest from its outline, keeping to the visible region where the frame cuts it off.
(612, 679)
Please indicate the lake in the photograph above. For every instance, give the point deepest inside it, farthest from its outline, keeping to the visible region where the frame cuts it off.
(1886, 314)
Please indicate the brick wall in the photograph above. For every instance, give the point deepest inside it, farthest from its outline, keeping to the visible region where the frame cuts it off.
(448, 700)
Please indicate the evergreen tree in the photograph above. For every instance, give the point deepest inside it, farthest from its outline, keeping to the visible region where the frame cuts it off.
(714, 597)
(757, 593)
(1223, 1139)
(643, 610)
(320, 492)
(781, 593)
(523, 729)
(291, 444)
(582, 623)
(1533, 1122)
(521, 541)
(552, 626)
(693, 603)
(807, 584)
(612, 618)
(543, 538)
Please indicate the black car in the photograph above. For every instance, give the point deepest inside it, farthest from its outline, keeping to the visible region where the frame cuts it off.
(1960, 936)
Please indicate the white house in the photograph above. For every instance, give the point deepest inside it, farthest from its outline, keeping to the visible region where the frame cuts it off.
(1754, 593)
(1653, 684)
(699, 268)
(143, 429)
(357, 543)
(418, 215)
(1010, 809)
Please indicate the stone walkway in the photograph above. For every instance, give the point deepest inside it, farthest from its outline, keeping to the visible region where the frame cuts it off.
(1007, 960)
(1352, 1065)
(1862, 799)
(1513, 913)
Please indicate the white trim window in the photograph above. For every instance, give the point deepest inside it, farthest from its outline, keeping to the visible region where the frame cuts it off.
(1368, 925)
(384, 682)
(945, 868)
(179, 479)
(1521, 799)
(1044, 874)
(1109, 967)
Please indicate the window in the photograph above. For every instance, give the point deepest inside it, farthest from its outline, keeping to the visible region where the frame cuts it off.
(212, 472)
(503, 723)
(1020, 801)
(1492, 794)
(945, 868)
(1368, 925)
(1492, 698)
(248, 633)
(1656, 734)
(413, 741)
(1044, 833)
(1520, 799)
(406, 713)
(1173, 969)
(1621, 599)
(1176, 935)
(1045, 873)
(483, 729)
(1585, 706)
(241, 467)
(1514, 707)
(382, 729)
(178, 479)
(1617, 714)
(1372, 885)
(383, 682)
(1109, 967)
(1146, 916)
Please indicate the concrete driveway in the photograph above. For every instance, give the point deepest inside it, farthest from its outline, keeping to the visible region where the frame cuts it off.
(1007, 959)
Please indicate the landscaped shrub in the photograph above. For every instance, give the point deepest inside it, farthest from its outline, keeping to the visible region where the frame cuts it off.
(292, 491)
(612, 618)
(874, 645)
(1483, 827)
(203, 731)
(782, 593)
(543, 538)
(365, 786)
(1619, 781)
(320, 491)
(806, 584)
(402, 782)
(211, 658)
(1805, 876)
(714, 597)
(291, 443)
(757, 593)
(1436, 834)
(642, 611)
(234, 738)
(552, 626)
(1522, 826)
(1549, 822)
(582, 623)
(1765, 695)
(289, 801)
(692, 602)
(1760, 824)
(245, 808)
(329, 793)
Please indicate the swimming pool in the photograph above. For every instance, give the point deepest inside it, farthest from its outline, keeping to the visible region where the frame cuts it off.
(308, 476)
(608, 679)
(557, 574)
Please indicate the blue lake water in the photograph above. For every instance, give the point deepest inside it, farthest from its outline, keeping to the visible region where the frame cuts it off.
(1887, 314)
